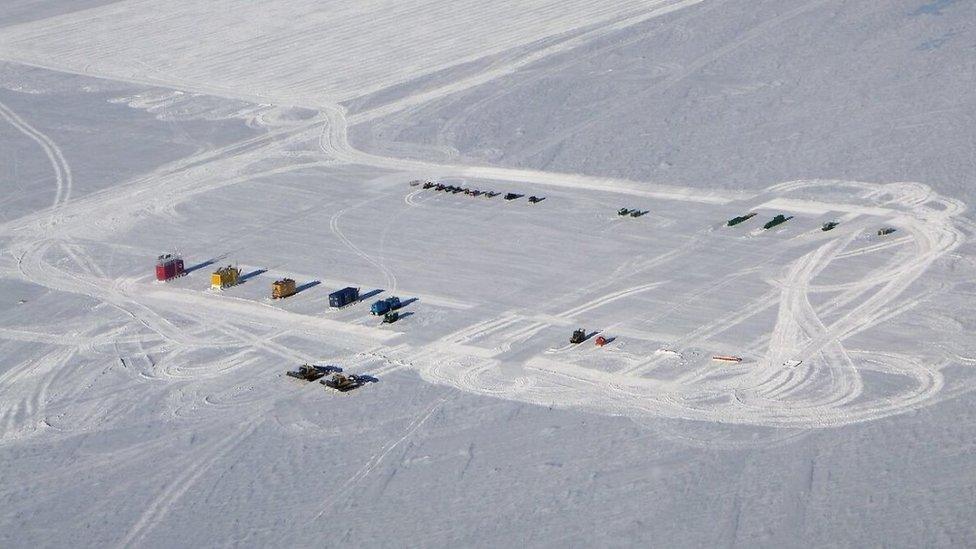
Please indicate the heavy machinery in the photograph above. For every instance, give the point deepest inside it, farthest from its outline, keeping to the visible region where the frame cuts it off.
(778, 220)
(637, 213)
(736, 220)
(282, 288)
(343, 383)
(384, 306)
(513, 196)
(309, 372)
(623, 211)
(829, 225)
(884, 231)
(579, 336)
(391, 317)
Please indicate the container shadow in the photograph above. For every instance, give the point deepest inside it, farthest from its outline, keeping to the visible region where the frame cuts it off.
(306, 286)
(199, 266)
(245, 277)
(371, 293)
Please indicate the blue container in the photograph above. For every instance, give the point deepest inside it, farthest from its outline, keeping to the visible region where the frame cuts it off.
(384, 306)
(343, 297)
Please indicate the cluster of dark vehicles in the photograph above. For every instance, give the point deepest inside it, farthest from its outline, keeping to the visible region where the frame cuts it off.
(624, 212)
(779, 219)
(334, 378)
(453, 189)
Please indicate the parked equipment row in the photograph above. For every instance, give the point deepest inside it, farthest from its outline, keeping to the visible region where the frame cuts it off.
(452, 189)
(779, 219)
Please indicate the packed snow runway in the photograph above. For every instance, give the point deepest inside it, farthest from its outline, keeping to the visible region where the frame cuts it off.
(136, 409)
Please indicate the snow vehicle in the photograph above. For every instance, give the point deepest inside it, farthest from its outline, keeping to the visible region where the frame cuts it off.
(601, 341)
(512, 196)
(884, 231)
(308, 372)
(579, 336)
(534, 199)
(384, 306)
(736, 220)
(829, 225)
(429, 185)
(623, 212)
(391, 317)
(492, 194)
(343, 383)
(778, 220)
(637, 213)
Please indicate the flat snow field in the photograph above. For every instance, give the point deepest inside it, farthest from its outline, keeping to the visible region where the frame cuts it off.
(282, 137)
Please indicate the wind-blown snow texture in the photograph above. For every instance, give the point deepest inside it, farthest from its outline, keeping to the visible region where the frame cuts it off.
(281, 135)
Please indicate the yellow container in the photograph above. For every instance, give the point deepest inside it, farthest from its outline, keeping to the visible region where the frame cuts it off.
(225, 278)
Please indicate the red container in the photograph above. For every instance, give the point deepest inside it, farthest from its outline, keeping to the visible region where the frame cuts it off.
(168, 267)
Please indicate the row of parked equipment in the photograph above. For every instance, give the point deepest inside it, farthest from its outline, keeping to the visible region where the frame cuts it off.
(334, 377)
(453, 189)
(780, 219)
(170, 266)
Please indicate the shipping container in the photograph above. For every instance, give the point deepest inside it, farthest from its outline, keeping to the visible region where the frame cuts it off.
(343, 297)
(168, 266)
(225, 277)
(282, 288)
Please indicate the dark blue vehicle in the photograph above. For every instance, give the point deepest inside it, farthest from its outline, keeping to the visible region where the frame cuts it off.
(384, 306)
(343, 297)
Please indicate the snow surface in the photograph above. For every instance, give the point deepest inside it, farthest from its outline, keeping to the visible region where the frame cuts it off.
(281, 136)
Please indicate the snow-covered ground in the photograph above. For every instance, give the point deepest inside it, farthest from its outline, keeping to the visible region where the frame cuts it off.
(281, 136)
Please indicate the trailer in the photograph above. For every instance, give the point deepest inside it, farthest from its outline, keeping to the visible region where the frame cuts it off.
(384, 306)
(169, 266)
(225, 278)
(283, 288)
(343, 297)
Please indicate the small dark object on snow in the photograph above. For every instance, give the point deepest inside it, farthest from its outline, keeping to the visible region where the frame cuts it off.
(440, 187)
(513, 196)
(779, 219)
(308, 372)
(429, 184)
(637, 213)
(736, 220)
(343, 383)
(391, 317)
(623, 211)
(476, 192)
(885, 231)
(534, 199)
(491, 194)
(579, 336)
(829, 225)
